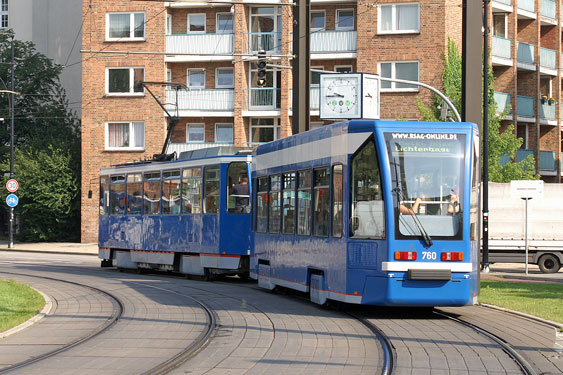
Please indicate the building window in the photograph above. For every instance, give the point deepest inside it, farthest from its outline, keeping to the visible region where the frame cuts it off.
(196, 23)
(499, 25)
(345, 19)
(196, 78)
(169, 24)
(399, 70)
(127, 81)
(225, 23)
(265, 29)
(224, 133)
(195, 133)
(224, 78)
(343, 68)
(316, 76)
(264, 130)
(4, 15)
(125, 26)
(125, 135)
(399, 18)
(318, 20)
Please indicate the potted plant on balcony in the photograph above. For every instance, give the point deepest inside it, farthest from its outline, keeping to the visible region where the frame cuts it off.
(551, 101)
(543, 99)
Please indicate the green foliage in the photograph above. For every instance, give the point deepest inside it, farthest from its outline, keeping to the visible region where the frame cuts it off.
(47, 145)
(501, 144)
(47, 193)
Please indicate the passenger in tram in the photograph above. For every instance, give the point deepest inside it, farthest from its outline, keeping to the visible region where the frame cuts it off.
(241, 192)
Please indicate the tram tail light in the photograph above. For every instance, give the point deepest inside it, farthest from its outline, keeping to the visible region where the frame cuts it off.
(405, 255)
(452, 255)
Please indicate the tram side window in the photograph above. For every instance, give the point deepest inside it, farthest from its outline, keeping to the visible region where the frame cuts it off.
(337, 201)
(288, 201)
(118, 197)
(367, 215)
(171, 192)
(104, 195)
(275, 204)
(211, 188)
(151, 193)
(134, 194)
(238, 190)
(191, 191)
(474, 214)
(262, 205)
(321, 202)
(304, 203)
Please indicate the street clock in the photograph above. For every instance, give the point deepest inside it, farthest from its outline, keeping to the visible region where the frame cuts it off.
(349, 96)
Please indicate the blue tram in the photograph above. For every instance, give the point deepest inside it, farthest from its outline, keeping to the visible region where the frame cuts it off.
(370, 212)
(190, 216)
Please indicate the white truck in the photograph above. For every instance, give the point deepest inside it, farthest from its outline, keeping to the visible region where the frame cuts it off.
(507, 222)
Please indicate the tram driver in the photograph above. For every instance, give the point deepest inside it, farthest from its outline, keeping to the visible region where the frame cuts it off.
(241, 192)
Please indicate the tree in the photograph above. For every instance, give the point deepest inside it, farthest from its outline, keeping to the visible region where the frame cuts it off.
(46, 132)
(502, 144)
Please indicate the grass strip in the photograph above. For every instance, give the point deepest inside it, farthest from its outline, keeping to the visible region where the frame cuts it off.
(543, 300)
(18, 303)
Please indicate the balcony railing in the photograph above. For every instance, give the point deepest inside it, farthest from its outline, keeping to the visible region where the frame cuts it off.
(200, 44)
(263, 98)
(547, 110)
(313, 98)
(525, 52)
(503, 101)
(501, 47)
(525, 106)
(268, 42)
(527, 5)
(507, 2)
(547, 158)
(547, 8)
(190, 146)
(547, 58)
(201, 99)
(333, 41)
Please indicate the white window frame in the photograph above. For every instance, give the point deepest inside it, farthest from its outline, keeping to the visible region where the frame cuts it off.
(131, 27)
(394, 19)
(393, 75)
(276, 126)
(131, 136)
(131, 91)
(324, 14)
(217, 85)
(505, 31)
(168, 24)
(199, 125)
(336, 27)
(204, 23)
(223, 124)
(188, 78)
(350, 67)
(217, 30)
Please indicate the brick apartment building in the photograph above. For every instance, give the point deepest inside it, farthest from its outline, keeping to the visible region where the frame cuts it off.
(211, 48)
(527, 62)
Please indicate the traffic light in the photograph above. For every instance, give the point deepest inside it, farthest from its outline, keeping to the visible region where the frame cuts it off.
(261, 74)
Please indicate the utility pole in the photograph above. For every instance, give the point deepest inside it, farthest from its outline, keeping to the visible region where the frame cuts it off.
(301, 62)
(485, 262)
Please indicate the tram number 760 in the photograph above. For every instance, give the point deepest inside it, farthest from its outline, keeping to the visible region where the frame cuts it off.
(429, 255)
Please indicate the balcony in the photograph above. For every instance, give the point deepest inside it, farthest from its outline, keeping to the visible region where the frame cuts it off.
(202, 102)
(526, 9)
(548, 61)
(263, 99)
(501, 6)
(547, 111)
(547, 159)
(190, 146)
(501, 51)
(314, 100)
(199, 47)
(547, 12)
(526, 56)
(340, 42)
(503, 101)
(525, 108)
(269, 42)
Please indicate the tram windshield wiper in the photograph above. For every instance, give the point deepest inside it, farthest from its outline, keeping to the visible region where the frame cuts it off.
(423, 233)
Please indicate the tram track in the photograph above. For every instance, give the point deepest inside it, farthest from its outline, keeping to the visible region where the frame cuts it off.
(112, 320)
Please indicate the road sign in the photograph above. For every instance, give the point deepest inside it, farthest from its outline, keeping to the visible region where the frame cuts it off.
(526, 189)
(12, 200)
(12, 185)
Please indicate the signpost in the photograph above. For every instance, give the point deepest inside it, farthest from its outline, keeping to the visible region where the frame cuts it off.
(12, 185)
(12, 200)
(526, 190)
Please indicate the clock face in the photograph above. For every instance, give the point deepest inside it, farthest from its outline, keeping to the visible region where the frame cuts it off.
(340, 96)
(370, 96)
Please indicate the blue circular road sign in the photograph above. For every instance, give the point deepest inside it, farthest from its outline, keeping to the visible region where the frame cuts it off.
(12, 200)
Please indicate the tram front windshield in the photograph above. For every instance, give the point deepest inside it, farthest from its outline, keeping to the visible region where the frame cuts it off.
(427, 170)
